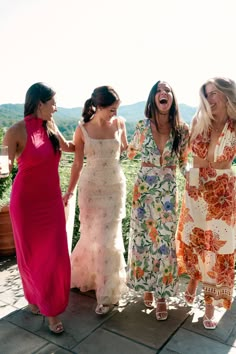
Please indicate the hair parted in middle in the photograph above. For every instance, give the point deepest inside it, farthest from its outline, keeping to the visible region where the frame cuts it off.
(102, 96)
(151, 111)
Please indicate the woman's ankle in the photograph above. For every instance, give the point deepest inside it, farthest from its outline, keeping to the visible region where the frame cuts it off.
(209, 311)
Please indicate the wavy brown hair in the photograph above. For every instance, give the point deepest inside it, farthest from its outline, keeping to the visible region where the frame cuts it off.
(151, 111)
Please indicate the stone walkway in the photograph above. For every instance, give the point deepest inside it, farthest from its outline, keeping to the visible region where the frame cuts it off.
(131, 329)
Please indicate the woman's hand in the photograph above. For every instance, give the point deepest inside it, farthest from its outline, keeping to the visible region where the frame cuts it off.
(66, 197)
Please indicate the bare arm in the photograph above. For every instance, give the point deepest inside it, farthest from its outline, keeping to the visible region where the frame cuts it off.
(184, 149)
(77, 164)
(66, 146)
(124, 141)
(15, 138)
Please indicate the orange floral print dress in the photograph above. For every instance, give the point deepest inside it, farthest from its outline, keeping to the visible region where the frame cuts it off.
(206, 230)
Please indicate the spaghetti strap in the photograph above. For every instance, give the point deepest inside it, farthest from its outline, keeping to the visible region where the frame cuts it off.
(84, 131)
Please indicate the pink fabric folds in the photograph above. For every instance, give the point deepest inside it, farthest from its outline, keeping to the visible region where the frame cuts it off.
(38, 219)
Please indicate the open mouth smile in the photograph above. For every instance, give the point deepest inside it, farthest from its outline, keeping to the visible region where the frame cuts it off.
(163, 100)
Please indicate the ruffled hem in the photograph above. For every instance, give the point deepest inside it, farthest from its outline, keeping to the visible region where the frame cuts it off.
(99, 269)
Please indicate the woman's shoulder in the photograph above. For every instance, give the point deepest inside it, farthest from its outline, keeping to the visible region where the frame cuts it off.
(143, 123)
(80, 122)
(120, 121)
(184, 125)
(184, 128)
(17, 128)
(16, 133)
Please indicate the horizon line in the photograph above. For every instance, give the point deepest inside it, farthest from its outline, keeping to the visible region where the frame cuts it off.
(122, 105)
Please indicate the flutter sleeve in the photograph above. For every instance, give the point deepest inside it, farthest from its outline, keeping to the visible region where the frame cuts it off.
(135, 145)
(184, 149)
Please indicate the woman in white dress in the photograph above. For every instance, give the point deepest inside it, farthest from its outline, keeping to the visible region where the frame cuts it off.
(97, 260)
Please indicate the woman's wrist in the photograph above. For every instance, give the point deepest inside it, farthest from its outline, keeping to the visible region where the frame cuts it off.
(70, 194)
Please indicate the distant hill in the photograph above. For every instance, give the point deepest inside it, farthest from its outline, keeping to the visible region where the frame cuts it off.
(10, 113)
(67, 118)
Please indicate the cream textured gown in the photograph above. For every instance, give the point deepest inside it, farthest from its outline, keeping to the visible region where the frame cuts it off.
(97, 260)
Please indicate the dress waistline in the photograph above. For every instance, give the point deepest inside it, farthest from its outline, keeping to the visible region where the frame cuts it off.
(149, 164)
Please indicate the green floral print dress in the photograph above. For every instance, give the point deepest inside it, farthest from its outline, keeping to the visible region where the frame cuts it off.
(152, 263)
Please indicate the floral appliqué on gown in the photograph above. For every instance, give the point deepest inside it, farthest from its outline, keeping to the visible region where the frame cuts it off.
(97, 260)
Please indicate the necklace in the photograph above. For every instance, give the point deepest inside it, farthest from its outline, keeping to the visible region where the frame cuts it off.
(217, 130)
(220, 128)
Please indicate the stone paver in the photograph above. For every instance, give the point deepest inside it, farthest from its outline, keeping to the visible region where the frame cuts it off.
(187, 342)
(132, 329)
(226, 323)
(105, 342)
(139, 324)
(15, 340)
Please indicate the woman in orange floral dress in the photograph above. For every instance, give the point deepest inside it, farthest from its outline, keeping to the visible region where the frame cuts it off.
(206, 232)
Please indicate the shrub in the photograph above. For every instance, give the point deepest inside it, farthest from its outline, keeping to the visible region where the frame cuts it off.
(6, 183)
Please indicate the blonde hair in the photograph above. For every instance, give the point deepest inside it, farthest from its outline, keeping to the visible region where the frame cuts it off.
(203, 118)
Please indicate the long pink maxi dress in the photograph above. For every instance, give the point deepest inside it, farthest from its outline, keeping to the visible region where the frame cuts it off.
(38, 220)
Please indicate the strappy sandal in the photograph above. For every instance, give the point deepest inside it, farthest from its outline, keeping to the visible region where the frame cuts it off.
(148, 299)
(102, 309)
(159, 315)
(209, 323)
(34, 309)
(56, 328)
(191, 296)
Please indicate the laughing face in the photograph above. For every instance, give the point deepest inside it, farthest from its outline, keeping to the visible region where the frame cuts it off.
(216, 99)
(164, 97)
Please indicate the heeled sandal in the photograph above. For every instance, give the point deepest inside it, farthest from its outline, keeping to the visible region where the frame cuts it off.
(148, 302)
(191, 296)
(34, 309)
(211, 321)
(158, 313)
(102, 309)
(56, 328)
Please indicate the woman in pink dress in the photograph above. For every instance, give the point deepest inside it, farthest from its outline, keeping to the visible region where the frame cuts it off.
(36, 206)
(206, 232)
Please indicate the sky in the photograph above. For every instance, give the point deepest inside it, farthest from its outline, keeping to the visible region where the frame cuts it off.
(77, 45)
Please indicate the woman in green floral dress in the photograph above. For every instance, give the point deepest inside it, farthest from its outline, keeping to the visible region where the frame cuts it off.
(162, 140)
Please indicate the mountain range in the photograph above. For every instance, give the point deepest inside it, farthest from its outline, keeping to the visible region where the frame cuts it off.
(10, 113)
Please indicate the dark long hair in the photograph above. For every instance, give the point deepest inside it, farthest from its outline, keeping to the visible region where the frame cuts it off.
(37, 93)
(102, 96)
(151, 110)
